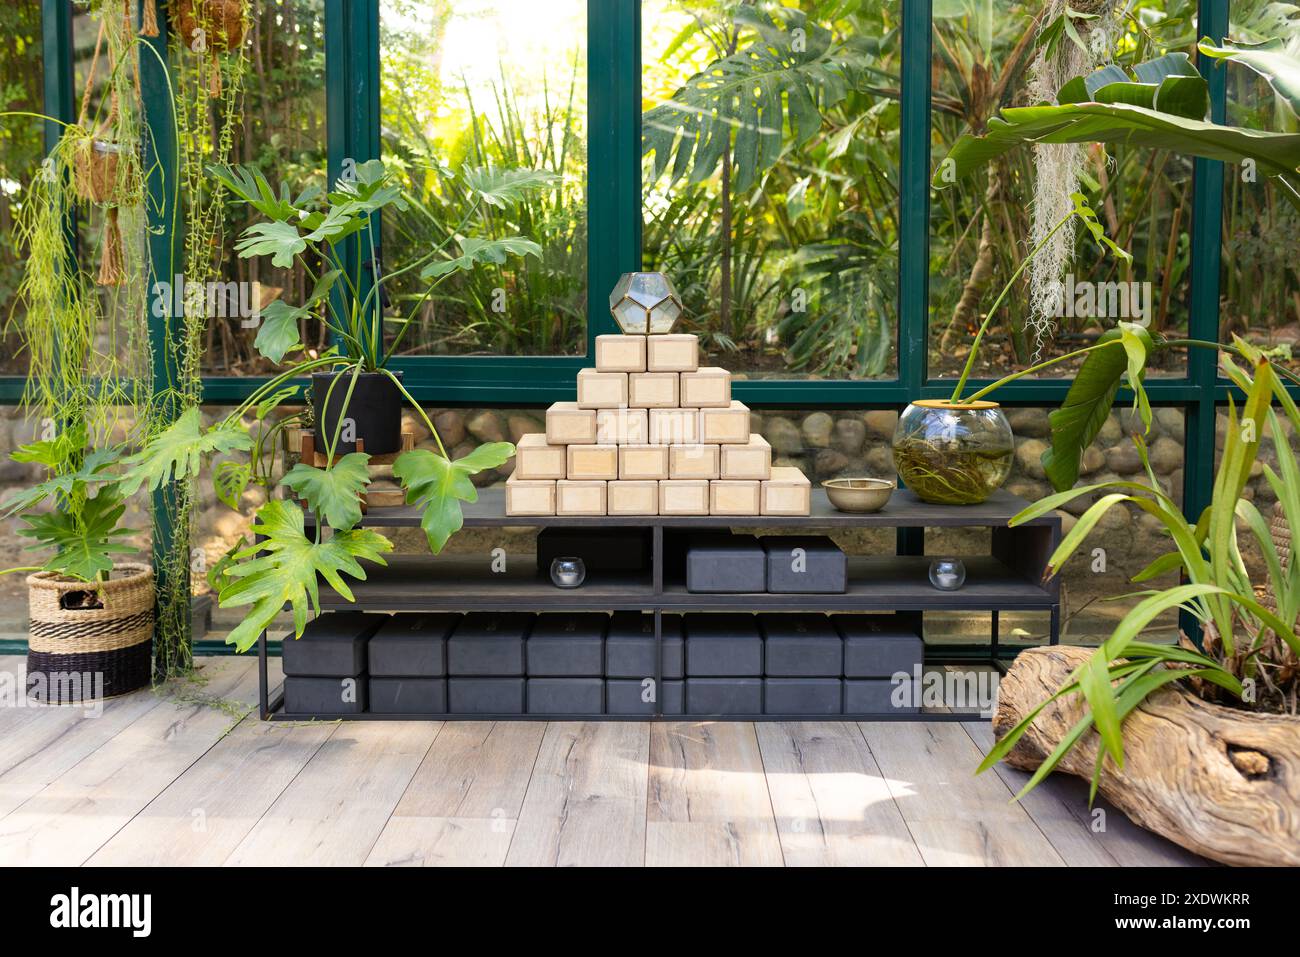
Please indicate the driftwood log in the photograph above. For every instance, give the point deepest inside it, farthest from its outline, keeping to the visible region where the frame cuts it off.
(1220, 782)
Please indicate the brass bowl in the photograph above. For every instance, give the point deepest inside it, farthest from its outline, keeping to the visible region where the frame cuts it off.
(859, 494)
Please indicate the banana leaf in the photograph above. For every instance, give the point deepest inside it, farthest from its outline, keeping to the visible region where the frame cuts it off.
(1269, 59)
(1163, 108)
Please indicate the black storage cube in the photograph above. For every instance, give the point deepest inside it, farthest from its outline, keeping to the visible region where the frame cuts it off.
(485, 695)
(408, 695)
(802, 695)
(566, 696)
(722, 646)
(630, 646)
(724, 696)
(332, 645)
(878, 646)
(411, 646)
(875, 696)
(801, 646)
(488, 643)
(624, 696)
(674, 697)
(724, 563)
(602, 550)
(805, 564)
(305, 695)
(567, 645)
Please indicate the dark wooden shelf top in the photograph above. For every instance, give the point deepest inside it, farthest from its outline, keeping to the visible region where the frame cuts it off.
(904, 510)
(453, 583)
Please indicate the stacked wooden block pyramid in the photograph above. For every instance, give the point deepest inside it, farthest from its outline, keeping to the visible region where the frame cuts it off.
(652, 433)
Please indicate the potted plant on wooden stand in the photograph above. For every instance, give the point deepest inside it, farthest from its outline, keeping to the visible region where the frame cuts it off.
(358, 398)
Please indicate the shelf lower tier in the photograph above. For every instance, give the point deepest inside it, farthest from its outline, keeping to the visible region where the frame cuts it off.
(876, 583)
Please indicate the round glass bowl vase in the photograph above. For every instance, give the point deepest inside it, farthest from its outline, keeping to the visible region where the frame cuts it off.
(953, 453)
(947, 574)
(568, 572)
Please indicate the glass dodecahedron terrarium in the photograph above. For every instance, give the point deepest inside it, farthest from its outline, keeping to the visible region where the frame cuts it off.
(645, 303)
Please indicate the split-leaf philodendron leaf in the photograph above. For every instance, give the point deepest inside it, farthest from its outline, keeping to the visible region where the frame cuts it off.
(178, 451)
(438, 486)
(283, 568)
(333, 493)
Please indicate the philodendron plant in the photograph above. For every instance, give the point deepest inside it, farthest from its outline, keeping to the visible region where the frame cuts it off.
(283, 565)
(82, 531)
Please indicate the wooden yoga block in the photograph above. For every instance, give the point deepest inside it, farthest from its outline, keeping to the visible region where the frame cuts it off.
(652, 390)
(787, 492)
(674, 426)
(529, 498)
(709, 387)
(729, 426)
(750, 461)
(734, 498)
(633, 497)
(622, 427)
(643, 462)
(535, 460)
(579, 498)
(693, 461)
(677, 352)
(593, 462)
(684, 497)
(566, 423)
(601, 390)
(620, 353)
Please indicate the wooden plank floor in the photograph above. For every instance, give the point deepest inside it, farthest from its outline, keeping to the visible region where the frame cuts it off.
(190, 776)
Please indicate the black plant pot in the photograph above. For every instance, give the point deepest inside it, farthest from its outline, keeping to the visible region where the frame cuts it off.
(375, 411)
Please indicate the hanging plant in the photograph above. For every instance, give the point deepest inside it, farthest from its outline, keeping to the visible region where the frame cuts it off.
(87, 353)
(206, 46)
(1076, 38)
(107, 168)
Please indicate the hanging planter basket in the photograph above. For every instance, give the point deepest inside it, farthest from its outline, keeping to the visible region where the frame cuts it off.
(90, 640)
(218, 23)
(99, 169)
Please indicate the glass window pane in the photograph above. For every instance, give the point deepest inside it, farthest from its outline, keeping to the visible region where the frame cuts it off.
(981, 226)
(1260, 276)
(782, 235)
(22, 147)
(500, 84)
(283, 134)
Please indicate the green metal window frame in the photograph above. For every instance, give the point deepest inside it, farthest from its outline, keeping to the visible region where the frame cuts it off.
(614, 211)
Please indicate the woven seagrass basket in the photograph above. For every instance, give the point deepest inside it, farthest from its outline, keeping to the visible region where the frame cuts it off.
(90, 640)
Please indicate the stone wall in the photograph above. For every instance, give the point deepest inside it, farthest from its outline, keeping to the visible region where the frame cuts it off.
(823, 443)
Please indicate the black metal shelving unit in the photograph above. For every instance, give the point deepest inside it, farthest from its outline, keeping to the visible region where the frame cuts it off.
(1009, 578)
